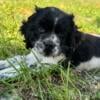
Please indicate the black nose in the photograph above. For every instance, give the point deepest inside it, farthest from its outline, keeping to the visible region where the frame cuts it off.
(49, 46)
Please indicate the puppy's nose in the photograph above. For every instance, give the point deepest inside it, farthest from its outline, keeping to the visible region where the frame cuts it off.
(49, 47)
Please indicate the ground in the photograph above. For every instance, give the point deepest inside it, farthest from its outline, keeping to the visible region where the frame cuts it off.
(54, 83)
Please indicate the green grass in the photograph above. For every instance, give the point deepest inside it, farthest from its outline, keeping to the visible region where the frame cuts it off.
(48, 83)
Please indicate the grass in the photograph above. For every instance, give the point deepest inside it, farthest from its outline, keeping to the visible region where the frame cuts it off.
(52, 83)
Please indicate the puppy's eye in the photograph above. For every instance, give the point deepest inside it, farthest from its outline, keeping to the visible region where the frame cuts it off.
(41, 30)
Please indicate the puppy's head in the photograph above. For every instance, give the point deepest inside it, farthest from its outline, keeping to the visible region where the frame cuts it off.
(50, 31)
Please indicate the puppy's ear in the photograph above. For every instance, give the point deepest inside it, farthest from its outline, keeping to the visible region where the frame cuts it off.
(24, 30)
(37, 9)
(73, 23)
(72, 16)
(75, 36)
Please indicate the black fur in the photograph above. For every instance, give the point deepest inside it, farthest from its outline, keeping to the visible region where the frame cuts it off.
(75, 45)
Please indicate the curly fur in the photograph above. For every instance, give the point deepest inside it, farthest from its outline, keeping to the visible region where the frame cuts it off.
(78, 47)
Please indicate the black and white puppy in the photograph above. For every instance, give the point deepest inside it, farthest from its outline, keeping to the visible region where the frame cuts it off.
(53, 32)
(53, 36)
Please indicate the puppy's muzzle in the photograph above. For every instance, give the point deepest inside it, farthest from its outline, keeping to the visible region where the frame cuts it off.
(49, 46)
(46, 47)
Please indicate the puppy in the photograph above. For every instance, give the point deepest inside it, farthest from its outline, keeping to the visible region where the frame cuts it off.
(53, 32)
(53, 36)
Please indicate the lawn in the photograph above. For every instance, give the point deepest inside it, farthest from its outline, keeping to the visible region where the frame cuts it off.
(48, 83)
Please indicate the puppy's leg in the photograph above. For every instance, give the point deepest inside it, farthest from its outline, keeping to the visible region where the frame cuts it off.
(6, 63)
(3, 64)
(9, 67)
